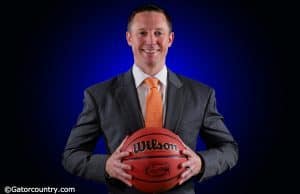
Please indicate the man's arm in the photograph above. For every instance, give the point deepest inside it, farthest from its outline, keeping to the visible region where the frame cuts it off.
(222, 149)
(78, 157)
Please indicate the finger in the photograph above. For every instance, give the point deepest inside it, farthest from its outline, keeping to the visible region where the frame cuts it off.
(183, 180)
(126, 175)
(187, 172)
(186, 164)
(185, 176)
(188, 153)
(120, 155)
(185, 146)
(182, 142)
(121, 173)
(121, 145)
(123, 166)
(127, 182)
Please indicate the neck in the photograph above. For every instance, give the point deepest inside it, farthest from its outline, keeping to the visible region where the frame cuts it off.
(151, 69)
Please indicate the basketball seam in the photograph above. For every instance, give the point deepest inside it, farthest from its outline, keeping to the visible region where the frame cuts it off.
(147, 157)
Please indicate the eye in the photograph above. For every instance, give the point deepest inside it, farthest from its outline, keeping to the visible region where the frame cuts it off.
(142, 33)
(158, 33)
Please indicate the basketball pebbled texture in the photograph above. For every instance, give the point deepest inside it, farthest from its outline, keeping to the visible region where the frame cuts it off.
(155, 158)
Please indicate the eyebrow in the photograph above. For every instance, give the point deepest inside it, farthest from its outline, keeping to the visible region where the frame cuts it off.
(141, 29)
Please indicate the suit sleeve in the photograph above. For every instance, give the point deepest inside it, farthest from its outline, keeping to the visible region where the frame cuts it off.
(78, 157)
(222, 149)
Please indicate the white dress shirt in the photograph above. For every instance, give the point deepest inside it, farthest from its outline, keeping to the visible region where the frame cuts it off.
(142, 89)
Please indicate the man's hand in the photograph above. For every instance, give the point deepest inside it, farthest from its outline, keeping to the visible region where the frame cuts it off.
(115, 168)
(193, 165)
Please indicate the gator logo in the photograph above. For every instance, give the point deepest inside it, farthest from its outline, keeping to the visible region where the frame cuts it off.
(157, 170)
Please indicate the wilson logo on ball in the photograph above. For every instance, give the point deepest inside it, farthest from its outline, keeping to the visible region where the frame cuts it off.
(153, 145)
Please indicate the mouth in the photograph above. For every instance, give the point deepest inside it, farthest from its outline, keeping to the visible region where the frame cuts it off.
(150, 51)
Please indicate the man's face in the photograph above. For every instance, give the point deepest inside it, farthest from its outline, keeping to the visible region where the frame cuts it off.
(150, 37)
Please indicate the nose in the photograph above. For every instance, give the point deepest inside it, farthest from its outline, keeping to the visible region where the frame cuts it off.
(151, 39)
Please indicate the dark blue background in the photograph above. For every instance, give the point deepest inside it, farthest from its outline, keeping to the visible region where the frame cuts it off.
(64, 47)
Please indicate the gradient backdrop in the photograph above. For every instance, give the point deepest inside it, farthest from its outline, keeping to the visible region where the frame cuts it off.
(65, 46)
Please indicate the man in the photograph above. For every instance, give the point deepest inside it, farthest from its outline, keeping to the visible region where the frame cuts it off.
(118, 107)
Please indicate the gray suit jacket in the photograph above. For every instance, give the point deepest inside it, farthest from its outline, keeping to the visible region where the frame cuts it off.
(111, 109)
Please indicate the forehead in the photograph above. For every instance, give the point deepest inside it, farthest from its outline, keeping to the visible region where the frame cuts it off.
(149, 19)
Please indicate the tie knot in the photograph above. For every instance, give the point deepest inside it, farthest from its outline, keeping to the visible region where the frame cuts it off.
(151, 82)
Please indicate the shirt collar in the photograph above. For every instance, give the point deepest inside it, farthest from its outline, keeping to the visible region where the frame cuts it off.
(140, 76)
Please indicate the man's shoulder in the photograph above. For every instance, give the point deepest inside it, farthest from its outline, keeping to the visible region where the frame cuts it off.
(108, 84)
(193, 83)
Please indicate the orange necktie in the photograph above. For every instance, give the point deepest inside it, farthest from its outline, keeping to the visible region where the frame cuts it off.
(154, 115)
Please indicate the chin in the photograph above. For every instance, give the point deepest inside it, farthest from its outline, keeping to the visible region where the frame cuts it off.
(152, 64)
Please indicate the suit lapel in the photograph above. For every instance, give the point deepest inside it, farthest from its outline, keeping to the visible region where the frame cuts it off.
(127, 98)
(175, 102)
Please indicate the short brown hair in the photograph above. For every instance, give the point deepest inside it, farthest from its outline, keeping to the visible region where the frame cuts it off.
(149, 7)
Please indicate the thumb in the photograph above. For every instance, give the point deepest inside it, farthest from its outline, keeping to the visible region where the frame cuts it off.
(184, 145)
(121, 145)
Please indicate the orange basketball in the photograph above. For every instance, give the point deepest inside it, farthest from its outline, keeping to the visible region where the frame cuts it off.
(155, 158)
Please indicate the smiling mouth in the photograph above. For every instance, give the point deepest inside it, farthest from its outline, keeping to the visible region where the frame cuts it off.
(150, 51)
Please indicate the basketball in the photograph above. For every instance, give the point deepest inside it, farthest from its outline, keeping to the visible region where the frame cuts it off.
(155, 158)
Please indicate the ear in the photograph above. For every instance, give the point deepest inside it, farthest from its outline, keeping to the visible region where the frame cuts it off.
(129, 38)
(171, 38)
